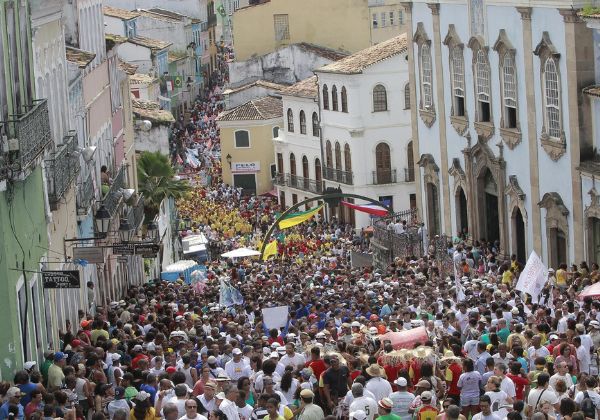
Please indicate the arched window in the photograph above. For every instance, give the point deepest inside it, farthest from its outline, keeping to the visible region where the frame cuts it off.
(325, 97)
(328, 155)
(383, 164)
(379, 98)
(315, 124)
(552, 98)
(344, 99)
(458, 81)
(338, 156)
(305, 167)
(347, 158)
(302, 123)
(426, 78)
(482, 85)
(509, 91)
(318, 175)
(275, 132)
(290, 118)
(334, 98)
(292, 164)
(407, 96)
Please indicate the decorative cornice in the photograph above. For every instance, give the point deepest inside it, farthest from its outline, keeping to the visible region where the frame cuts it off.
(428, 116)
(525, 12)
(570, 15)
(407, 6)
(546, 44)
(511, 136)
(555, 148)
(435, 8)
(485, 130)
(460, 124)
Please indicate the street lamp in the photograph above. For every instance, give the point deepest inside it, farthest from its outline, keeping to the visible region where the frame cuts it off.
(125, 231)
(228, 157)
(152, 232)
(102, 221)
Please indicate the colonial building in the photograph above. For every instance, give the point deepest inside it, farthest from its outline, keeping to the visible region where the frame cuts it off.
(500, 127)
(387, 19)
(365, 122)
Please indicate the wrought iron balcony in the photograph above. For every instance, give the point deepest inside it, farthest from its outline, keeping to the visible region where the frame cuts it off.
(112, 198)
(135, 214)
(279, 179)
(409, 174)
(345, 177)
(305, 184)
(85, 195)
(384, 176)
(62, 169)
(28, 136)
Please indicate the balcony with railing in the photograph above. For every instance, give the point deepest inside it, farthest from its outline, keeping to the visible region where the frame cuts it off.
(85, 195)
(279, 179)
(61, 169)
(306, 184)
(409, 174)
(384, 176)
(112, 198)
(337, 175)
(28, 135)
(135, 214)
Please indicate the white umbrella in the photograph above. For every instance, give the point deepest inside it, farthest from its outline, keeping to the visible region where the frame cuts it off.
(240, 253)
(180, 266)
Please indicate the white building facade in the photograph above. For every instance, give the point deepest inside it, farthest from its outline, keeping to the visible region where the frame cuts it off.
(366, 130)
(499, 124)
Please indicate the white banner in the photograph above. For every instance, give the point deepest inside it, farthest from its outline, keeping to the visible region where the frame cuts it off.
(533, 277)
(275, 317)
(245, 166)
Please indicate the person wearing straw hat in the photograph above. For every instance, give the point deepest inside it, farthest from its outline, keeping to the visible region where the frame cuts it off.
(377, 383)
(385, 410)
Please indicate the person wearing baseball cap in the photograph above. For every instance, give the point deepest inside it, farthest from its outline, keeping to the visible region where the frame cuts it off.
(402, 398)
(119, 403)
(426, 410)
(56, 376)
(309, 410)
(385, 410)
(358, 415)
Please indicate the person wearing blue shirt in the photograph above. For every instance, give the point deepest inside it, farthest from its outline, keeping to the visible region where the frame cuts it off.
(13, 396)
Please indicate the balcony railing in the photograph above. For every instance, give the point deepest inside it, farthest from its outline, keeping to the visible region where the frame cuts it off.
(85, 195)
(409, 174)
(384, 176)
(305, 184)
(62, 169)
(279, 179)
(345, 177)
(112, 198)
(28, 136)
(135, 214)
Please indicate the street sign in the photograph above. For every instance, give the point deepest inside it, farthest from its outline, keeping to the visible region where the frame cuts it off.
(147, 250)
(123, 249)
(121, 259)
(68, 279)
(91, 254)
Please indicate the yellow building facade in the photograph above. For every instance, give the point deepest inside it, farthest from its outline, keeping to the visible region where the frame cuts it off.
(387, 20)
(247, 133)
(338, 24)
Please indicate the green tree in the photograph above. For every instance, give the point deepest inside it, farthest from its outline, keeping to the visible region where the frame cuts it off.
(156, 179)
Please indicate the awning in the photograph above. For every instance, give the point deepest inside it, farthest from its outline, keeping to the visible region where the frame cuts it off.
(272, 193)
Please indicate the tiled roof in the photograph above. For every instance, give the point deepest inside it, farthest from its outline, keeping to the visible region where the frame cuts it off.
(80, 57)
(128, 68)
(259, 82)
(153, 44)
(593, 90)
(307, 88)
(357, 62)
(176, 55)
(119, 13)
(141, 79)
(325, 52)
(159, 16)
(264, 108)
(151, 111)
(117, 39)
(168, 13)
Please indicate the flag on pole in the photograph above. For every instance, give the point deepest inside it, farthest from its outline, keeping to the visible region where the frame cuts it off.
(297, 218)
(367, 208)
(229, 295)
(270, 249)
(533, 277)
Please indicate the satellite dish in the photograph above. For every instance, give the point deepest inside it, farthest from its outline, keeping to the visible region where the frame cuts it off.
(88, 153)
(145, 125)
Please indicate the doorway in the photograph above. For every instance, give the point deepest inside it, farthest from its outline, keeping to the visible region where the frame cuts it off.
(558, 247)
(247, 182)
(490, 218)
(519, 232)
(594, 224)
(433, 209)
(461, 204)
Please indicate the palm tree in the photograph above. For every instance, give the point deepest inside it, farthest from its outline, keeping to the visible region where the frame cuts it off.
(156, 179)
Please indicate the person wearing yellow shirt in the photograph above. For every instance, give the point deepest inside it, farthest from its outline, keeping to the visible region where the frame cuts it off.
(561, 277)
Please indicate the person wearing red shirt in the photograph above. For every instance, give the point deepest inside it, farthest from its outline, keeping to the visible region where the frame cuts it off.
(137, 350)
(520, 382)
(453, 372)
(316, 363)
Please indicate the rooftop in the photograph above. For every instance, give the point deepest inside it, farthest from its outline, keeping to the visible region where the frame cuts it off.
(359, 61)
(159, 16)
(265, 108)
(151, 111)
(329, 53)
(168, 13)
(80, 57)
(141, 79)
(259, 82)
(128, 68)
(153, 44)
(307, 88)
(176, 55)
(116, 12)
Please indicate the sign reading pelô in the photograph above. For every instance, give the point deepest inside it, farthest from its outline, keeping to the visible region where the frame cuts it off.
(245, 166)
(67, 279)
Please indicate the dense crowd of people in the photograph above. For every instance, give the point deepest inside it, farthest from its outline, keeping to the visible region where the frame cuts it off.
(405, 342)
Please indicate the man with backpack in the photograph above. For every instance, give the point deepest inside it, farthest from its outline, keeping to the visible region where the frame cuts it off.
(589, 400)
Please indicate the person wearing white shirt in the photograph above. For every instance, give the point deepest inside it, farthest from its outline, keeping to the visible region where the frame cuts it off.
(506, 385)
(191, 411)
(361, 402)
(291, 358)
(228, 406)
(562, 374)
(591, 384)
(583, 355)
(236, 368)
(536, 350)
(208, 398)
(379, 386)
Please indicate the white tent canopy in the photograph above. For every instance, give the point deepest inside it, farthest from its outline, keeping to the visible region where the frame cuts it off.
(180, 266)
(240, 253)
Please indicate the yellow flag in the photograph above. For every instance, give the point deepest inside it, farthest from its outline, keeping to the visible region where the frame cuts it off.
(297, 218)
(270, 249)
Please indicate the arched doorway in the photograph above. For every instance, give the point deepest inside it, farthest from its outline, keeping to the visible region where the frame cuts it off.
(318, 175)
(518, 228)
(383, 164)
(433, 209)
(293, 178)
(462, 222)
(594, 224)
(305, 172)
(488, 202)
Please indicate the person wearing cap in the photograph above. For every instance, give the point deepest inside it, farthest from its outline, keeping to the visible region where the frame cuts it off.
(401, 399)
(142, 407)
(384, 409)
(13, 397)
(309, 410)
(426, 410)
(236, 367)
(207, 398)
(362, 402)
(215, 369)
(118, 403)
(358, 415)
(56, 376)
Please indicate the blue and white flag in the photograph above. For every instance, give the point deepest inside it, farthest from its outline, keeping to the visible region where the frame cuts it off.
(229, 295)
